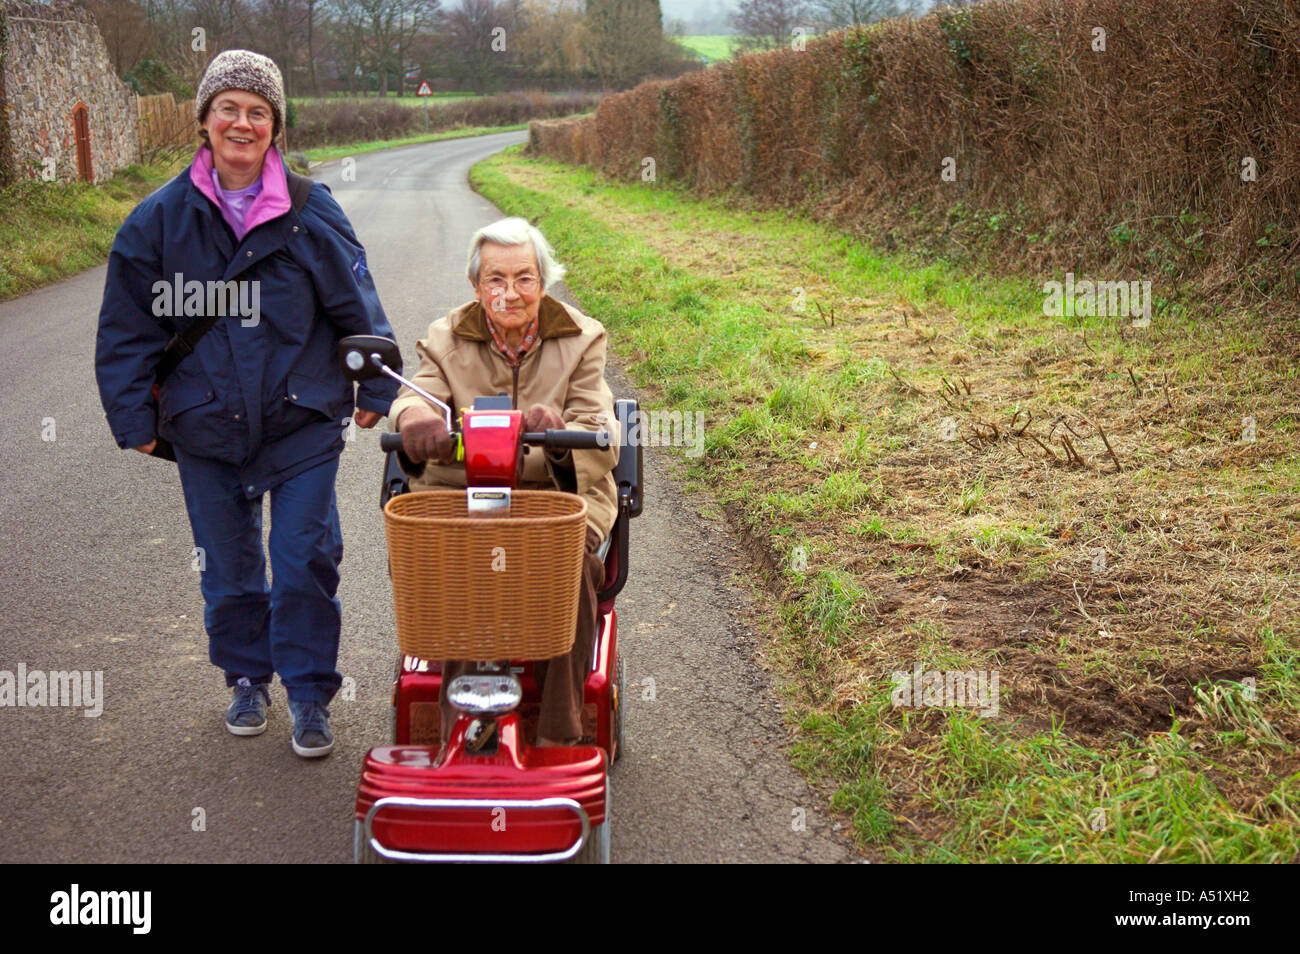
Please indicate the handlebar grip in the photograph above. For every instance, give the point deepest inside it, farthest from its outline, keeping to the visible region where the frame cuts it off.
(578, 440)
(390, 441)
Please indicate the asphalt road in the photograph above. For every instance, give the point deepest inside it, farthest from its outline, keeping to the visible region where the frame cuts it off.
(97, 576)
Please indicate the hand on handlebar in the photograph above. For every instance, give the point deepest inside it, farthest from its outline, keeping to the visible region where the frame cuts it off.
(543, 418)
(425, 436)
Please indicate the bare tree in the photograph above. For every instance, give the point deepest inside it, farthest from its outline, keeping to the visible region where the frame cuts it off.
(349, 45)
(477, 42)
(413, 37)
(278, 25)
(836, 14)
(767, 24)
(625, 40)
(128, 35)
(310, 6)
(553, 41)
(225, 23)
(380, 31)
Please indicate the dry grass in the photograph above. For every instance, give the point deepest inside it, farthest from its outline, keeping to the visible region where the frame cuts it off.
(1069, 437)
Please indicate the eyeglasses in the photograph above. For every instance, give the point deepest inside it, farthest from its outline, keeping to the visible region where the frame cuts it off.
(524, 284)
(257, 115)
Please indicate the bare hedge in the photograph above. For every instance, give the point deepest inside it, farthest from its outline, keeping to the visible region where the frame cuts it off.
(347, 121)
(1130, 148)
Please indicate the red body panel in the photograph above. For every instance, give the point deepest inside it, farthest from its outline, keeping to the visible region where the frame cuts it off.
(515, 771)
(598, 689)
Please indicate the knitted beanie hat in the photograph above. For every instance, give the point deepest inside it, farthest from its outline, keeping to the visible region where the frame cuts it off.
(246, 70)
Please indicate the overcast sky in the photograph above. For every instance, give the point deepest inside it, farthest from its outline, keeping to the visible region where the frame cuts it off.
(690, 9)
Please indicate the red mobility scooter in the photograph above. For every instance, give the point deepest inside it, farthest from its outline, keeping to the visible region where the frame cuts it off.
(490, 574)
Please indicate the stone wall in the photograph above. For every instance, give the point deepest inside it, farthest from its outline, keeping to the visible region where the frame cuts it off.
(6, 153)
(54, 59)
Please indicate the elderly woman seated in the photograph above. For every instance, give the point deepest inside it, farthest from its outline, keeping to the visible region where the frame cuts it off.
(550, 358)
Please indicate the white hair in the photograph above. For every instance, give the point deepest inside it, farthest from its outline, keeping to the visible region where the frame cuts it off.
(516, 231)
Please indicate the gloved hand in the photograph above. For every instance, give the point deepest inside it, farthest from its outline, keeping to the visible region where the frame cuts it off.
(425, 436)
(542, 418)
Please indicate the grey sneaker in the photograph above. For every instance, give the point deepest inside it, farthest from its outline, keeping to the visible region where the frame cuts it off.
(247, 712)
(311, 729)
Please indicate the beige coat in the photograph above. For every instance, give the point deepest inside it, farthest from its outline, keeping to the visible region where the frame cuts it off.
(564, 369)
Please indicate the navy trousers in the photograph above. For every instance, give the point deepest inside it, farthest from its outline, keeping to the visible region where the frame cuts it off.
(292, 626)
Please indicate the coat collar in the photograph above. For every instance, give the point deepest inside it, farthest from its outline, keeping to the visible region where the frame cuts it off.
(553, 321)
(272, 202)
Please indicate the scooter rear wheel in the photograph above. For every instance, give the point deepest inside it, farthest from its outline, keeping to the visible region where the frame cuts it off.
(618, 710)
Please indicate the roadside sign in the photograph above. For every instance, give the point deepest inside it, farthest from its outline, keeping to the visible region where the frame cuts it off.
(424, 89)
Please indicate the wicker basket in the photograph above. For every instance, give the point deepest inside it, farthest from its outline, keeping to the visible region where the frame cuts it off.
(486, 587)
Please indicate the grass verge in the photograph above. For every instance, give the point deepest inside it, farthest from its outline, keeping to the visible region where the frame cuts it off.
(1097, 518)
(49, 231)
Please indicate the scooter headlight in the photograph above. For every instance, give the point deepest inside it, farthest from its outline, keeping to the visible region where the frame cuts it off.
(486, 694)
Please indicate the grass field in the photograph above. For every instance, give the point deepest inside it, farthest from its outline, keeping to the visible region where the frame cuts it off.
(932, 473)
(712, 48)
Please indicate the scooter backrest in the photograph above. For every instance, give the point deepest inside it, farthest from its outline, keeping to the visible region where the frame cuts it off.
(628, 474)
(395, 480)
(628, 478)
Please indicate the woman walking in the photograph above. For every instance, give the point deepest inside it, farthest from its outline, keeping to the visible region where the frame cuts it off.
(254, 402)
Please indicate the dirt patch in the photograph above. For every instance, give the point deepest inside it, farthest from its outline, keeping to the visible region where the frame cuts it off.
(1014, 627)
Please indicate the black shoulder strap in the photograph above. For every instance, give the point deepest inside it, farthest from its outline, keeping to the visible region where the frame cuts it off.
(183, 344)
(299, 190)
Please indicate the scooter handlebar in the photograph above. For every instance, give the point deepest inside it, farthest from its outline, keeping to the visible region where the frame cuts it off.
(578, 440)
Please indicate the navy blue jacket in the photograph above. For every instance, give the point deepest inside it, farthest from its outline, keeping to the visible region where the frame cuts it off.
(261, 392)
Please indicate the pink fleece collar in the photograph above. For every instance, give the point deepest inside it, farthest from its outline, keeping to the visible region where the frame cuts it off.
(272, 202)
